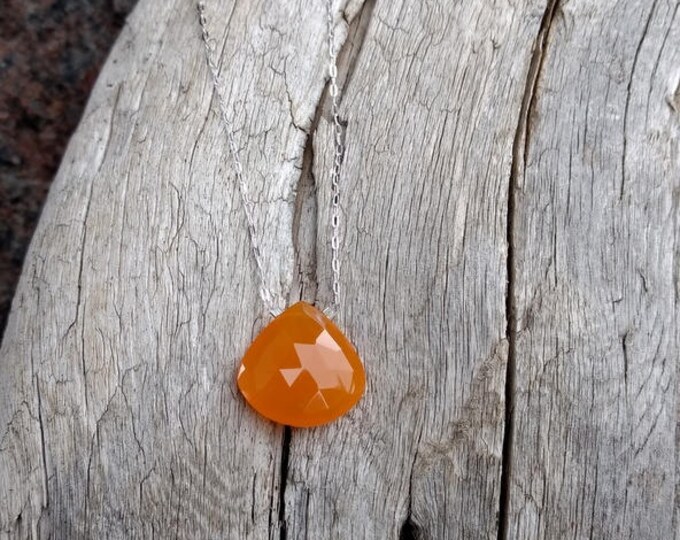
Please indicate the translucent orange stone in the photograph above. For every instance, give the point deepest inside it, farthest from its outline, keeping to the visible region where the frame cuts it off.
(301, 370)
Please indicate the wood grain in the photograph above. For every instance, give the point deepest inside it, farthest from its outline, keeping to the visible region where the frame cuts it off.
(431, 109)
(595, 241)
(510, 217)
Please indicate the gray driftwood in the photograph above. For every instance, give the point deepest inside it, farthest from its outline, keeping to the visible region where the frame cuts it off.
(510, 274)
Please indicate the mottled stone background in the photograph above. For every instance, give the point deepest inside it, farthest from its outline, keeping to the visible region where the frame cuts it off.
(50, 54)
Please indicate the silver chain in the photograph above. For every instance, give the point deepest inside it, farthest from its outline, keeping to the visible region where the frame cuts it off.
(337, 156)
(248, 205)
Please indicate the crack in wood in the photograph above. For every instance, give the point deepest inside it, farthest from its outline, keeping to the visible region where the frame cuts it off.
(285, 456)
(626, 108)
(306, 194)
(348, 56)
(306, 279)
(520, 149)
(306, 282)
(43, 450)
(410, 531)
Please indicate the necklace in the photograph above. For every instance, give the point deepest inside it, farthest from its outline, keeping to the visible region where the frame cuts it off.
(300, 370)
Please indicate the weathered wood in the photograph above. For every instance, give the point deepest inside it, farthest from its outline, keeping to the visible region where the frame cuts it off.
(499, 155)
(595, 241)
(431, 110)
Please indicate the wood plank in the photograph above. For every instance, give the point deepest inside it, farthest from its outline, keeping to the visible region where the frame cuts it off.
(595, 246)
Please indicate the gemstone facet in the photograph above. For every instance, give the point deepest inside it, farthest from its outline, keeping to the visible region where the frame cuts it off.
(301, 370)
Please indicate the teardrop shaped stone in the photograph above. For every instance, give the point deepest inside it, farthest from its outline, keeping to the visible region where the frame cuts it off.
(301, 370)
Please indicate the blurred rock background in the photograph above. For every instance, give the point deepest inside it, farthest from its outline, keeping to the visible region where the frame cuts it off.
(50, 54)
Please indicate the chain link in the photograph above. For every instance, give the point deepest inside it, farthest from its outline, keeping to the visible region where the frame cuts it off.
(337, 156)
(248, 205)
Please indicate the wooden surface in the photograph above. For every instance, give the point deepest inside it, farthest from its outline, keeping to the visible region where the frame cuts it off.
(595, 298)
(510, 266)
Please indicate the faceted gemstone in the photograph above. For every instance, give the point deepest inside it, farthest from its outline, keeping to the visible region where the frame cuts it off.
(301, 370)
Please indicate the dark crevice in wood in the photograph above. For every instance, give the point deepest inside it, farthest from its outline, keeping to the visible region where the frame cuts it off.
(410, 531)
(79, 301)
(520, 149)
(43, 446)
(305, 283)
(528, 108)
(252, 500)
(624, 347)
(285, 455)
(272, 492)
(409, 526)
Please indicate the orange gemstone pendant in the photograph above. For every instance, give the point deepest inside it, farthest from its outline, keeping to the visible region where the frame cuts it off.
(301, 370)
